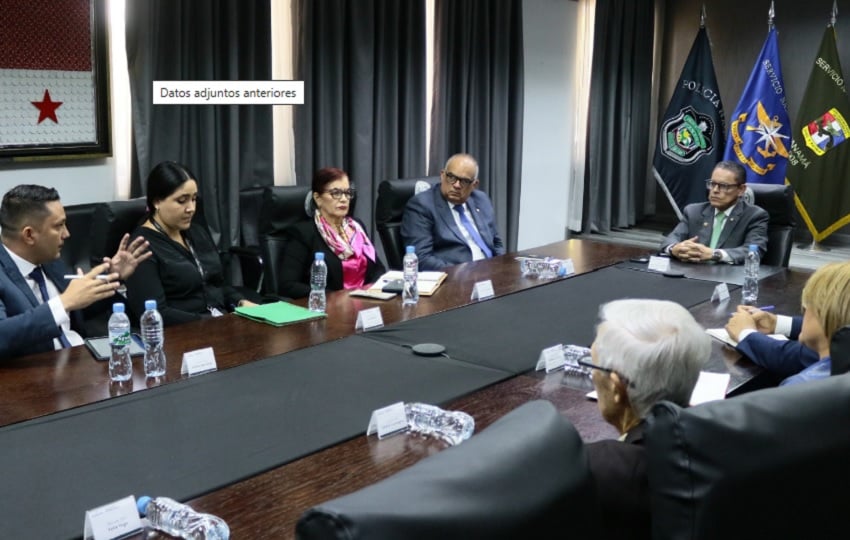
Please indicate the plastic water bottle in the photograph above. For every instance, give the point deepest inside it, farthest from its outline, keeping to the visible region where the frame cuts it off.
(750, 292)
(410, 264)
(120, 363)
(318, 282)
(153, 338)
(180, 520)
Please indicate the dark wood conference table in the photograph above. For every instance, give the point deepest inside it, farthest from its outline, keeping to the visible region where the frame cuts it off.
(269, 504)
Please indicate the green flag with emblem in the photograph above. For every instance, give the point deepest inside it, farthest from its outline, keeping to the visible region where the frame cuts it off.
(819, 161)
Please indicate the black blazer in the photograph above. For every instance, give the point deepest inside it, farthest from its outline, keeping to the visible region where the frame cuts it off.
(302, 242)
(622, 487)
(171, 277)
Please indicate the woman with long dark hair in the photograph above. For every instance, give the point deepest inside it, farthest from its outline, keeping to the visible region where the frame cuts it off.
(185, 275)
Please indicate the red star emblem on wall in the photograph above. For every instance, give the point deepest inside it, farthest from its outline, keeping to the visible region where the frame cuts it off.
(46, 108)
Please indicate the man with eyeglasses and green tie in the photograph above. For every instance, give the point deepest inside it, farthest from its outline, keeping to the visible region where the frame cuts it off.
(453, 222)
(721, 229)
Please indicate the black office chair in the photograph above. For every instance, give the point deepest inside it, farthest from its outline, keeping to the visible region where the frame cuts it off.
(778, 202)
(389, 210)
(839, 351)
(526, 476)
(248, 250)
(111, 220)
(76, 252)
(282, 206)
(765, 464)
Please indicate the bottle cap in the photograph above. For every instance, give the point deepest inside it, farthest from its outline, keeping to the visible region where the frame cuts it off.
(150, 304)
(410, 249)
(754, 247)
(320, 256)
(118, 307)
(142, 505)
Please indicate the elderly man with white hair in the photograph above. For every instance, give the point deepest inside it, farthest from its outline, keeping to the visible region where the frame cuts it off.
(645, 351)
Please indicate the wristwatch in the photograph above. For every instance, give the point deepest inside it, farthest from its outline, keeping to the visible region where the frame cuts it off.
(716, 256)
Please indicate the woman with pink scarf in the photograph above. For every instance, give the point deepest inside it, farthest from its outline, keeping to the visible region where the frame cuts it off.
(349, 254)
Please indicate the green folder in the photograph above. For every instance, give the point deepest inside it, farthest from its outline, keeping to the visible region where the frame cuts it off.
(278, 313)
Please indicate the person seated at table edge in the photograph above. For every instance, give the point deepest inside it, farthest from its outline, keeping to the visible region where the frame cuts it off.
(40, 309)
(350, 256)
(185, 275)
(722, 229)
(437, 221)
(826, 308)
(645, 351)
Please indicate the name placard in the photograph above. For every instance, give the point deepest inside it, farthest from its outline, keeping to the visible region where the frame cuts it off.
(114, 520)
(369, 318)
(388, 420)
(659, 264)
(551, 358)
(721, 293)
(482, 290)
(198, 361)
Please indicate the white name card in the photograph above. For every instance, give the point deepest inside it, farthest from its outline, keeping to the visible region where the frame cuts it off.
(388, 420)
(551, 358)
(659, 264)
(199, 361)
(482, 290)
(369, 318)
(113, 520)
(721, 293)
(567, 268)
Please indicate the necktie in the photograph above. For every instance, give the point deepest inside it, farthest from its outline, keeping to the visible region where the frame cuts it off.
(38, 276)
(718, 226)
(473, 232)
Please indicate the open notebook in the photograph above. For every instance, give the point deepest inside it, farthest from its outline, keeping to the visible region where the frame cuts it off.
(427, 281)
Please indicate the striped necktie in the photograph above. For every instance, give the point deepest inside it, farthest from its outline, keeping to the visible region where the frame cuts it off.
(473, 232)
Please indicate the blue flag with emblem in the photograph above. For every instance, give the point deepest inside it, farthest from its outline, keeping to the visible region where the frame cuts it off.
(690, 137)
(759, 129)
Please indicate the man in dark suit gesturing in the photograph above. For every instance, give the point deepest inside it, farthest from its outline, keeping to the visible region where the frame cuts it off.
(722, 229)
(452, 222)
(39, 306)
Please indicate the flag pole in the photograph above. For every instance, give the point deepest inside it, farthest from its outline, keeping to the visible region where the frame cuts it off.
(770, 15)
(702, 16)
(833, 17)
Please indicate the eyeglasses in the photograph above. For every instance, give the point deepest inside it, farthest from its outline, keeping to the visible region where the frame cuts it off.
(337, 193)
(465, 182)
(725, 188)
(591, 365)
